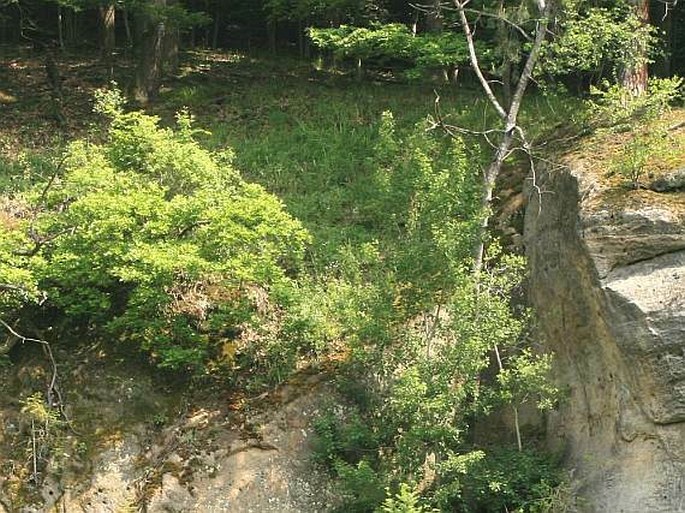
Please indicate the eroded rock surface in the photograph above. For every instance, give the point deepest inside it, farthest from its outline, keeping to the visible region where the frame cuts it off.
(145, 454)
(608, 284)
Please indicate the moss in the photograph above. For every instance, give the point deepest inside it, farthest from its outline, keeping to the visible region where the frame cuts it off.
(595, 158)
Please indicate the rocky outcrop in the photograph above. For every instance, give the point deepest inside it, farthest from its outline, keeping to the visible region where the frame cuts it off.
(138, 445)
(608, 284)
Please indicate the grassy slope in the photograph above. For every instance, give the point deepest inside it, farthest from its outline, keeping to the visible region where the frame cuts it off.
(306, 136)
(606, 157)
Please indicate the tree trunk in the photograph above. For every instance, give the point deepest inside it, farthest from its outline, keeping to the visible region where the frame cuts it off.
(127, 28)
(150, 60)
(70, 32)
(635, 75)
(55, 82)
(172, 38)
(60, 30)
(170, 57)
(271, 35)
(300, 38)
(434, 21)
(217, 25)
(107, 36)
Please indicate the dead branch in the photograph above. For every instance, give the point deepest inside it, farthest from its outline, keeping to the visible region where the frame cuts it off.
(485, 14)
(475, 65)
(508, 116)
(54, 397)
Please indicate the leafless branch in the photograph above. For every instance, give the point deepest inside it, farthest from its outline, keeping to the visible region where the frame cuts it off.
(454, 131)
(54, 397)
(51, 181)
(518, 28)
(475, 65)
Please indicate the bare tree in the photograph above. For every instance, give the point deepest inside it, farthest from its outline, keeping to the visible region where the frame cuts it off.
(509, 131)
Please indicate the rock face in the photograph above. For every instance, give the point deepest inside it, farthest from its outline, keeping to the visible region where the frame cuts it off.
(608, 284)
(147, 455)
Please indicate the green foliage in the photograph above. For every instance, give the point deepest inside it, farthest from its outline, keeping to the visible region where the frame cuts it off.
(37, 411)
(615, 107)
(426, 190)
(19, 283)
(360, 486)
(503, 480)
(321, 10)
(526, 377)
(173, 15)
(162, 244)
(429, 385)
(394, 42)
(598, 41)
(153, 229)
(632, 160)
(398, 298)
(405, 500)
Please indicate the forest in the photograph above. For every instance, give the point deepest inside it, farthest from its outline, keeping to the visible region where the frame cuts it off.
(227, 195)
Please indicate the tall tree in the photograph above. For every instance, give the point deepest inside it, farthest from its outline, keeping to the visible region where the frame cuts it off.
(151, 53)
(636, 74)
(107, 14)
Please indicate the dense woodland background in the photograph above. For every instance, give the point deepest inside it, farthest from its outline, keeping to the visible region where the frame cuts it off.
(153, 31)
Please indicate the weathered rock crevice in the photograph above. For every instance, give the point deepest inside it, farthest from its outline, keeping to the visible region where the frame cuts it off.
(608, 283)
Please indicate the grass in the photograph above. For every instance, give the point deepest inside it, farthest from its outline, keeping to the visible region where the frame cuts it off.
(309, 136)
(605, 157)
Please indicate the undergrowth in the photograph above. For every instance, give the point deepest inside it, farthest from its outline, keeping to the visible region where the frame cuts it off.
(186, 255)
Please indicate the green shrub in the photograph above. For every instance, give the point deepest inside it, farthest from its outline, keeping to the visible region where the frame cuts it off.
(160, 243)
(405, 500)
(394, 42)
(360, 487)
(633, 158)
(598, 41)
(502, 479)
(615, 106)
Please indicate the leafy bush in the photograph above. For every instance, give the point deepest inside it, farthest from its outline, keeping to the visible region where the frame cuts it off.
(598, 41)
(614, 106)
(394, 42)
(419, 328)
(160, 243)
(360, 487)
(502, 480)
(405, 501)
(425, 391)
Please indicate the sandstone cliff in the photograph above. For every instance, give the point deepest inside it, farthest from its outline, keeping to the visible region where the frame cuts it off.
(608, 282)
